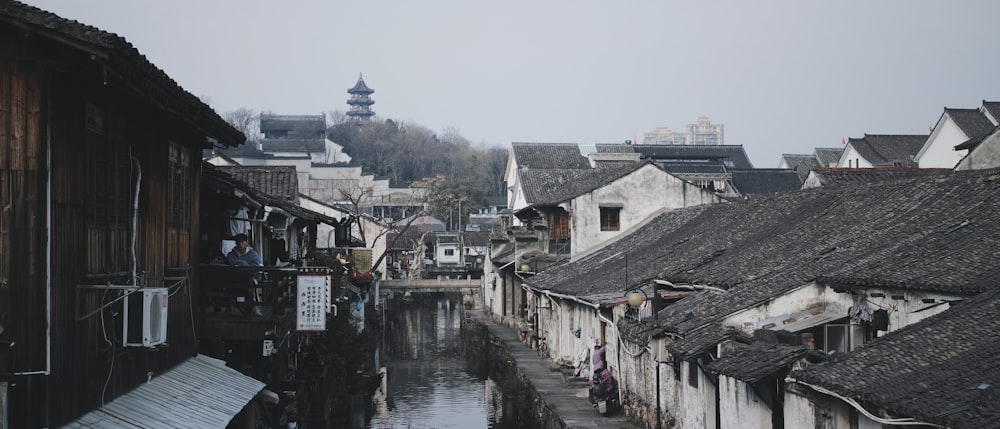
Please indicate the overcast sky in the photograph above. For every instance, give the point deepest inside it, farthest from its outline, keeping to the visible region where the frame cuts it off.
(782, 76)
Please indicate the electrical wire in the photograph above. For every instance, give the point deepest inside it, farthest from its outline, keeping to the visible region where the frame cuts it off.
(111, 346)
(906, 421)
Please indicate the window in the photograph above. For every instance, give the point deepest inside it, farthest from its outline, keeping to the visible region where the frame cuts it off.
(449, 252)
(610, 218)
(559, 226)
(109, 170)
(693, 373)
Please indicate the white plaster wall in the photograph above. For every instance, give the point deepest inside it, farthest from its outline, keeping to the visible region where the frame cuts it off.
(339, 172)
(516, 202)
(740, 408)
(694, 408)
(640, 194)
(443, 259)
(901, 311)
(984, 156)
(809, 295)
(492, 287)
(939, 151)
(799, 411)
(374, 232)
(852, 159)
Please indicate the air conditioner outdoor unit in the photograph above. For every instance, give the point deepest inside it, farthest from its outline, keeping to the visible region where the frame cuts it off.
(144, 322)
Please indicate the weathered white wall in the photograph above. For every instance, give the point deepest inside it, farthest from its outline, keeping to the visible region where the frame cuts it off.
(852, 159)
(799, 411)
(939, 151)
(695, 405)
(374, 232)
(902, 311)
(740, 408)
(492, 287)
(984, 156)
(639, 194)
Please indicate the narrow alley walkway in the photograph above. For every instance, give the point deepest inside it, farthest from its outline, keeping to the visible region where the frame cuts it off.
(565, 397)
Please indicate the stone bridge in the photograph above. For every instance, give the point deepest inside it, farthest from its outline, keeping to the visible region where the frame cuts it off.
(471, 289)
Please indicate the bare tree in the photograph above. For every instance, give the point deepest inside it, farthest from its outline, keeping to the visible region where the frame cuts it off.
(245, 120)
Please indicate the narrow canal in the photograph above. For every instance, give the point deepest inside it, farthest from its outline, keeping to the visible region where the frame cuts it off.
(431, 381)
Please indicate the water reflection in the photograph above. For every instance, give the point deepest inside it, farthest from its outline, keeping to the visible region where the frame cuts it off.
(428, 383)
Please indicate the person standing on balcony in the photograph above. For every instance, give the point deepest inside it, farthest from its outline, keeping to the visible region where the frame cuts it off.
(244, 256)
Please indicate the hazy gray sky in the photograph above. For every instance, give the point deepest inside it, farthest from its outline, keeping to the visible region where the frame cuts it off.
(782, 76)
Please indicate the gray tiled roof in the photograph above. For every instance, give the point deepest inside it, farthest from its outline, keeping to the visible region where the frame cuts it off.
(765, 181)
(942, 370)
(124, 61)
(975, 141)
(553, 186)
(614, 148)
(890, 233)
(889, 149)
(298, 124)
(316, 145)
(828, 156)
(801, 164)
(718, 154)
(277, 181)
(758, 360)
(832, 177)
(973, 122)
(549, 155)
(993, 107)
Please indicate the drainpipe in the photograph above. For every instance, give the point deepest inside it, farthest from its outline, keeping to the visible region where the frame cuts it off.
(135, 218)
(48, 249)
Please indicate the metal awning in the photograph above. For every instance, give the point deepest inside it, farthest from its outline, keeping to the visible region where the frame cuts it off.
(802, 320)
(201, 392)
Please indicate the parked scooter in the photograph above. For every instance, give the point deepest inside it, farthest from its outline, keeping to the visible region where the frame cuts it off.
(603, 392)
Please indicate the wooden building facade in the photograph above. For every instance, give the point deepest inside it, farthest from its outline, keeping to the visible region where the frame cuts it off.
(99, 192)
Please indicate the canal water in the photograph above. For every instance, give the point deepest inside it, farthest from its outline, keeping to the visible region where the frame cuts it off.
(431, 381)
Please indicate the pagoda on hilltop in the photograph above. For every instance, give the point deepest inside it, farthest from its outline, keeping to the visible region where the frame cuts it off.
(360, 101)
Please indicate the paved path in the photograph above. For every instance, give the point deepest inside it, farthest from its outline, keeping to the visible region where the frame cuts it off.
(566, 396)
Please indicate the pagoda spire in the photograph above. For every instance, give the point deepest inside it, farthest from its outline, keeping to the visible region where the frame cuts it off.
(360, 101)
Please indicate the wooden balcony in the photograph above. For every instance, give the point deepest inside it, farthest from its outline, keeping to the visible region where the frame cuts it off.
(246, 303)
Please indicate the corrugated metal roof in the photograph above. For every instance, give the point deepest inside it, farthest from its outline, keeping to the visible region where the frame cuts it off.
(202, 392)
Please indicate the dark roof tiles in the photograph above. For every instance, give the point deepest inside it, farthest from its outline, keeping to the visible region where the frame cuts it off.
(832, 177)
(884, 233)
(943, 370)
(553, 186)
(801, 164)
(549, 155)
(972, 122)
(889, 149)
(765, 181)
(277, 181)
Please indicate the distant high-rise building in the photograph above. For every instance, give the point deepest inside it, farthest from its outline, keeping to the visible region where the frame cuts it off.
(360, 101)
(702, 133)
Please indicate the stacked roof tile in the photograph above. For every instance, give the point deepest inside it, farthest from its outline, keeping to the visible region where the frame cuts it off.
(932, 233)
(942, 370)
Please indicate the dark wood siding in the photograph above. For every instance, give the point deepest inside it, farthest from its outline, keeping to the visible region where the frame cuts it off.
(101, 135)
(22, 292)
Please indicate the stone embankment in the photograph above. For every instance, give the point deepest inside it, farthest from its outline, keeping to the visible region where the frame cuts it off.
(546, 397)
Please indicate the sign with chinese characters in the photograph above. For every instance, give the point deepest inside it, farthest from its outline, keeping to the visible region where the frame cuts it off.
(312, 299)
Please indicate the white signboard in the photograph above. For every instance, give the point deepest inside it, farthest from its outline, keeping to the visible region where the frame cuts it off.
(313, 301)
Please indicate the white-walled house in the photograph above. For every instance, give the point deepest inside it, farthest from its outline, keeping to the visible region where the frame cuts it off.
(881, 150)
(954, 127)
(983, 152)
(582, 208)
(538, 156)
(843, 264)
